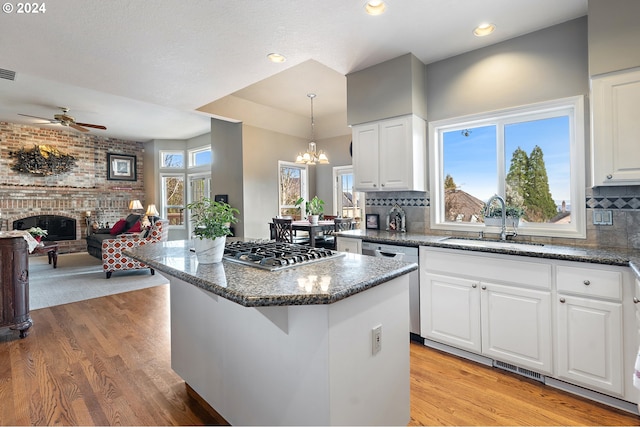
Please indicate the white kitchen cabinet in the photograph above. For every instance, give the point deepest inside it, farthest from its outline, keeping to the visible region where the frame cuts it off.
(390, 155)
(353, 246)
(590, 328)
(516, 326)
(483, 305)
(450, 311)
(615, 107)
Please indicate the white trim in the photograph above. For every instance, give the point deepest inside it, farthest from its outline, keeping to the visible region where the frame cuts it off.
(577, 227)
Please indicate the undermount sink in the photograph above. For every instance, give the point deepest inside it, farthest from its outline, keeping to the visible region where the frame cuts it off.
(486, 243)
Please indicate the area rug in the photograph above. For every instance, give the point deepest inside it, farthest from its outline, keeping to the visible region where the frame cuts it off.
(79, 277)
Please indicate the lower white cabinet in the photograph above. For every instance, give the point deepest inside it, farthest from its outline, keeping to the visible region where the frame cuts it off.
(504, 321)
(516, 326)
(590, 351)
(576, 323)
(349, 245)
(590, 327)
(450, 311)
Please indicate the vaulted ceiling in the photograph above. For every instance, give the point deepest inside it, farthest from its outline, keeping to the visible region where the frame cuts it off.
(159, 69)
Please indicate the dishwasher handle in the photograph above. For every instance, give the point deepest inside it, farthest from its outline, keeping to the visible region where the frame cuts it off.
(396, 255)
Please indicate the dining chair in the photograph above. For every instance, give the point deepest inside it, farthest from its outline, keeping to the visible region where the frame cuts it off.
(339, 224)
(283, 229)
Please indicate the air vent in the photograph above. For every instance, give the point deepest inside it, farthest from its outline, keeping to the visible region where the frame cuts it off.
(7, 74)
(518, 370)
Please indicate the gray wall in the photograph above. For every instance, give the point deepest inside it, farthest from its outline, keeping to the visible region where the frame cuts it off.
(262, 149)
(227, 167)
(389, 89)
(614, 33)
(545, 65)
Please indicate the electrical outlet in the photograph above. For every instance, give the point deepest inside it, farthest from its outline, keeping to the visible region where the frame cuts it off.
(376, 340)
(602, 217)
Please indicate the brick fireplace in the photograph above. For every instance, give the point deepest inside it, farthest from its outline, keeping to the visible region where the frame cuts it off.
(83, 189)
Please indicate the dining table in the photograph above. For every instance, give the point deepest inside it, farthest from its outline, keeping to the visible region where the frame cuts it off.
(313, 229)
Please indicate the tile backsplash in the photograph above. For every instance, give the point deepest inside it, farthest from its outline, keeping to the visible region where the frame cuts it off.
(622, 201)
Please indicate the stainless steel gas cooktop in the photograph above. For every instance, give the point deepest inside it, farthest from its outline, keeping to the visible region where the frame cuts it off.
(271, 255)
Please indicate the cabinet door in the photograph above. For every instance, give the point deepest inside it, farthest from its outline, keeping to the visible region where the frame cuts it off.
(348, 245)
(615, 124)
(450, 311)
(589, 343)
(395, 154)
(365, 157)
(516, 326)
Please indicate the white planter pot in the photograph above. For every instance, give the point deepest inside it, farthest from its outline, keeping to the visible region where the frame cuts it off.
(496, 221)
(209, 251)
(313, 219)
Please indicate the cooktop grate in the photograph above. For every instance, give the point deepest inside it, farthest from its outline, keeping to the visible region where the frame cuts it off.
(272, 255)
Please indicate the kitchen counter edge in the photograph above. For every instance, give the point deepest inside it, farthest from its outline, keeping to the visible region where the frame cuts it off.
(608, 256)
(237, 282)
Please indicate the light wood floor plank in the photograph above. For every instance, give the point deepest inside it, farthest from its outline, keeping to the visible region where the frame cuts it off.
(106, 361)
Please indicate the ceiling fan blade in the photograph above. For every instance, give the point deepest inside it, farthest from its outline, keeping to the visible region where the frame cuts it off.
(77, 127)
(89, 125)
(41, 118)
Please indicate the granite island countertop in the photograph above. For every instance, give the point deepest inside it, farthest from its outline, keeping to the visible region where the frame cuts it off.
(322, 282)
(609, 256)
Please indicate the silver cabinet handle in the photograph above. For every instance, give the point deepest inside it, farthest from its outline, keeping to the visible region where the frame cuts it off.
(562, 300)
(484, 287)
(586, 283)
(381, 185)
(475, 285)
(636, 300)
(375, 185)
(609, 176)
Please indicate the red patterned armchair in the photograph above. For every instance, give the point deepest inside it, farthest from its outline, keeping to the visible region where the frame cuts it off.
(114, 260)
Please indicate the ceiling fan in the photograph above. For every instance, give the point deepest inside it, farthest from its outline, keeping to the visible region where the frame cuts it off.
(66, 120)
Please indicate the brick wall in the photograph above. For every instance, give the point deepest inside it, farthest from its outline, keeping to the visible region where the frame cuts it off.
(84, 188)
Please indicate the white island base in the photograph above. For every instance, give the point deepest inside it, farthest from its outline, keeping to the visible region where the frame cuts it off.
(296, 365)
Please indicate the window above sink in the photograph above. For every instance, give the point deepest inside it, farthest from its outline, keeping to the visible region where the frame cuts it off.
(532, 156)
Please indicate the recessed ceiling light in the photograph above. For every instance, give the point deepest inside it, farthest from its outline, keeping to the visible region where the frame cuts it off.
(375, 7)
(484, 30)
(276, 57)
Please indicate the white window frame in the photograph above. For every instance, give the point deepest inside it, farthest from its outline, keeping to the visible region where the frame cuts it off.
(337, 196)
(575, 108)
(163, 196)
(165, 152)
(192, 153)
(305, 184)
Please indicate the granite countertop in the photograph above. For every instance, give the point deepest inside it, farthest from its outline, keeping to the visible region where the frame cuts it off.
(323, 282)
(609, 256)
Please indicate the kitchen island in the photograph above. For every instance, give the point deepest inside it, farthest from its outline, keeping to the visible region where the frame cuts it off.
(294, 346)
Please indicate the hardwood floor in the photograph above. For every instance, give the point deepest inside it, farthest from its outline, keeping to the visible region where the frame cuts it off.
(106, 361)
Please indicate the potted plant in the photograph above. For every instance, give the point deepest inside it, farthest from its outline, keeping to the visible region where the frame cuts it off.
(513, 215)
(314, 208)
(212, 221)
(37, 233)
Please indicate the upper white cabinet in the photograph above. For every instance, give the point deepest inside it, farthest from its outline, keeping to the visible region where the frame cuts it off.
(389, 155)
(615, 108)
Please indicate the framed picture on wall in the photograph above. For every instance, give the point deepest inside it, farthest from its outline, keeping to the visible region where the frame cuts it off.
(121, 167)
(373, 221)
(221, 198)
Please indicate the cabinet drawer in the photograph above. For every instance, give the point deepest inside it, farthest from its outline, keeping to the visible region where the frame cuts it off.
(589, 282)
(493, 268)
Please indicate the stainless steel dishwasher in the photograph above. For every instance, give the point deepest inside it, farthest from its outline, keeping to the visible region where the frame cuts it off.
(408, 254)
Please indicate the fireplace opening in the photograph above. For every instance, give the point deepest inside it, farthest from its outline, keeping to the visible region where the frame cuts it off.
(58, 227)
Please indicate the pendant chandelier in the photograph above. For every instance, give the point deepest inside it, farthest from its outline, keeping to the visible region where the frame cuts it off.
(312, 156)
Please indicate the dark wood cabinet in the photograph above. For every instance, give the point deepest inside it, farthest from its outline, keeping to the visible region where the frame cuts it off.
(14, 285)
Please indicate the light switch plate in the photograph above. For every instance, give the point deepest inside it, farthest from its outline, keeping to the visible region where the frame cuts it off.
(602, 217)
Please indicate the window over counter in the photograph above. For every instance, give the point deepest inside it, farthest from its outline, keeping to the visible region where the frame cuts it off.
(293, 184)
(200, 157)
(348, 202)
(172, 159)
(531, 156)
(173, 194)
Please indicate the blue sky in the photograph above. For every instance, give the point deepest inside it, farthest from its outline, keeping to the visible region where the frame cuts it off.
(472, 162)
